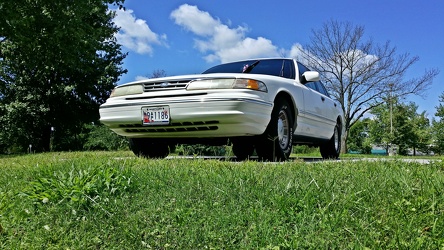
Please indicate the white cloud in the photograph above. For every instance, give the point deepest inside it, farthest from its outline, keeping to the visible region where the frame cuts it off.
(221, 42)
(190, 17)
(135, 34)
(248, 48)
(139, 78)
(295, 51)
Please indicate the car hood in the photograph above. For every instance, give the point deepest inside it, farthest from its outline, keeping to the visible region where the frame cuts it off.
(193, 77)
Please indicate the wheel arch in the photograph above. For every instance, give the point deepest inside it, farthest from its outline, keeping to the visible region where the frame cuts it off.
(289, 98)
(340, 121)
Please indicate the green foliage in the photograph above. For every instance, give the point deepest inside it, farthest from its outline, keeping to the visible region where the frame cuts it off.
(400, 125)
(358, 138)
(438, 128)
(59, 60)
(438, 136)
(82, 186)
(422, 135)
(89, 137)
(305, 150)
(199, 149)
(100, 137)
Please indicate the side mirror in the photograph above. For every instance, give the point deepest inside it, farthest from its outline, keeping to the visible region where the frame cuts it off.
(310, 76)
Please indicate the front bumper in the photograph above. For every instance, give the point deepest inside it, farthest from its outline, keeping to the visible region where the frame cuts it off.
(190, 118)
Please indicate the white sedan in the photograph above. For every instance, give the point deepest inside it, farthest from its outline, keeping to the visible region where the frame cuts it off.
(267, 105)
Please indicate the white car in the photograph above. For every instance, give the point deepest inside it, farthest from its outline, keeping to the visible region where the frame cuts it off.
(264, 104)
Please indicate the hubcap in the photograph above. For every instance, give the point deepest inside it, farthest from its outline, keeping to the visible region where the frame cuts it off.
(282, 129)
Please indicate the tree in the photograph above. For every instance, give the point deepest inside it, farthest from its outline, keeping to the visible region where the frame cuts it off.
(415, 129)
(438, 127)
(158, 73)
(359, 137)
(59, 60)
(100, 137)
(422, 137)
(400, 125)
(359, 73)
(381, 129)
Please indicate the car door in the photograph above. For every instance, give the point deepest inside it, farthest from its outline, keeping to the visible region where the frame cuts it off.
(316, 115)
(328, 108)
(315, 112)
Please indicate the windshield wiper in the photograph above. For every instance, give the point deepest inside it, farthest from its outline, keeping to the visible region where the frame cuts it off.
(248, 68)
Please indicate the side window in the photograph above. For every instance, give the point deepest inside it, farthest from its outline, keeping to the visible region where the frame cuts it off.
(302, 69)
(322, 89)
(288, 69)
(316, 86)
(312, 85)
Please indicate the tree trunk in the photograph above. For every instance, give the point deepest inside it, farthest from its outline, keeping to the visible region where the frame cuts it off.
(344, 148)
(46, 139)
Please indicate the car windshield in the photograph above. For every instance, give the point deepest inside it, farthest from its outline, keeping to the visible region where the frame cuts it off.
(274, 67)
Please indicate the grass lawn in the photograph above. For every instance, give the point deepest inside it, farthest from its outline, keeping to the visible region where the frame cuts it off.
(102, 200)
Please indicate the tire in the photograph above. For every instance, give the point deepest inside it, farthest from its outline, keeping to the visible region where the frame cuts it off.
(243, 148)
(277, 141)
(332, 148)
(147, 149)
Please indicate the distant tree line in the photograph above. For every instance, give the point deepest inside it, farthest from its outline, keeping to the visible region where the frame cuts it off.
(397, 125)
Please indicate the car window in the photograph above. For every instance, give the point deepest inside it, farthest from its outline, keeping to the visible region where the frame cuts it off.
(274, 67)
(288, 70)
(302, 69)
(312, 85)
(321, 88)
(316, 86)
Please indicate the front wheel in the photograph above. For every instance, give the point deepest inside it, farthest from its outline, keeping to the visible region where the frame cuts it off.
(332, 148)
(143, 147)
(277, 141)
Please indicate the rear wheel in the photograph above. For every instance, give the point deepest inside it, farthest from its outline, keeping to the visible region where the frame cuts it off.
(146, 148)
(332, 148)
(276, 143)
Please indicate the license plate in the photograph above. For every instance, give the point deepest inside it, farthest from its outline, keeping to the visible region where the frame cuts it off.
(156, 115)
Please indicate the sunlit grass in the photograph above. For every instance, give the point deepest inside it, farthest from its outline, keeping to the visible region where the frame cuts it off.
(204, 204)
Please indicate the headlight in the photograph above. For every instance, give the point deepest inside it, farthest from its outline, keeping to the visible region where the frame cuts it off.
(127, 90)
(227, 84)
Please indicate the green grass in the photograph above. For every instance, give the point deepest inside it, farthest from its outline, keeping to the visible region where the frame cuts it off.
(101, 200)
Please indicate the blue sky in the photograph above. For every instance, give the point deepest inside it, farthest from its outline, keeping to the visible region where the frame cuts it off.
(186, 37)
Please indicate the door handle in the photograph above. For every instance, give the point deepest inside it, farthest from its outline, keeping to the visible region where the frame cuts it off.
(323, 99)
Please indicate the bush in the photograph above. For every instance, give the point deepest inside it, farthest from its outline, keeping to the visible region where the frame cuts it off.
(199, 149)
(304, 149)
(100, 137)
(80, 186)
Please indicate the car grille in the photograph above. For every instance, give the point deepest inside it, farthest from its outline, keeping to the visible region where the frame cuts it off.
(174, 127)
(172, 85)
